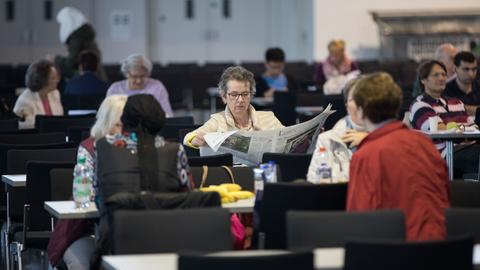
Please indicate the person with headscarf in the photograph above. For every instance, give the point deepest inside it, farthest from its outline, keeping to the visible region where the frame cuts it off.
(78, 35)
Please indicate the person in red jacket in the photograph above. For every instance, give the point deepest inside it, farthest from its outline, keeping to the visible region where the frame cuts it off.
(394, 167)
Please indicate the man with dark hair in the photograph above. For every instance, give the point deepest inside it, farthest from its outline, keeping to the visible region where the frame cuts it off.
(465, 87)
(87, 83)
(395, 167)
(274, 79)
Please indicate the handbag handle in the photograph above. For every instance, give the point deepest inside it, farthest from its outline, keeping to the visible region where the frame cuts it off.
(205, 174)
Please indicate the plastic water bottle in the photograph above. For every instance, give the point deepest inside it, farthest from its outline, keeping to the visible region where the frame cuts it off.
(82, 183)
(324, 170)
(258, 174)
(269, 171)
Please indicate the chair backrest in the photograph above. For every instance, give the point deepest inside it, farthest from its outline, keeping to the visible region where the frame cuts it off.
(292, 166)
(40, 138)
(214, 160)
(9, 125)
(462, 221)
(451, 254)
(17, 159)
(338, 104)
(333, 229)
(62, 123)
(20, 131)
(281, 197)
(218, 175)
(154, 231)
(182, 120)
(14, 166)
(279, 261)
(465, 194)
(170, 131)
(77, 134)
(191, 152)
(82, 102)
(61, 181)
(284, 107)
(38, 191)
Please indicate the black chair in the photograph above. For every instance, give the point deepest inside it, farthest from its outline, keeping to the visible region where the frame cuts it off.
(82, 102)
(154, 231)
(61, 181)
(41, 138)
(338, 104)
(191, 152)
(62, 123)
(214, 160)
(18, 166)
(451, 254)
(462, 221)
(282, 197)
(17, 159)
(465, 194)
(218, 175)
(37, 224)
(182, 120)
(19, 132)
(282, 261)
(78, 134)
(284, 107)
(292, 166)
(171, 131)
(333, 229)
(8, 125)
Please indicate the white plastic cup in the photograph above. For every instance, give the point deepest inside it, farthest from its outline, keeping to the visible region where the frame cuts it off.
(433, 122)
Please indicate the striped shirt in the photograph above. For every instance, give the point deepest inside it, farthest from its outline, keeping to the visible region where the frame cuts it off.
(447, 109)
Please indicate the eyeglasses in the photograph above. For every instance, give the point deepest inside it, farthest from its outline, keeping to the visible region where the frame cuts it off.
(236, 95)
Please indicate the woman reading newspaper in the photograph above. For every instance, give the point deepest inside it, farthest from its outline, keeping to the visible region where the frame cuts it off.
(236, 88)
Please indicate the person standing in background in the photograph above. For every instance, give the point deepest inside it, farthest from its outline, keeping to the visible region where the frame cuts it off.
(78, 35)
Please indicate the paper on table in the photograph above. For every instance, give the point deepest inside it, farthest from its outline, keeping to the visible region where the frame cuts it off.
(215, 139)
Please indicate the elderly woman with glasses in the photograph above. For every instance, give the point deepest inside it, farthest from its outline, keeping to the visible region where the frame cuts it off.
(137, 69)
(236, 88)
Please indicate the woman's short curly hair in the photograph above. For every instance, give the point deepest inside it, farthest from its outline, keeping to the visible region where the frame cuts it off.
(236, 73)
(37, 75)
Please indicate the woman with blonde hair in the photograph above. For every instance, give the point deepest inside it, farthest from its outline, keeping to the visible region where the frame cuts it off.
(336, 64)
(71, 239)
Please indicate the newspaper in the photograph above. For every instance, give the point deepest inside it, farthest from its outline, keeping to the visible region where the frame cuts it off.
(248, 147)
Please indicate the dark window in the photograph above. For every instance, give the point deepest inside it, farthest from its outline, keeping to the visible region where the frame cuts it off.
(227, 9)
(48, 6)
(189, 9)
(10, 10)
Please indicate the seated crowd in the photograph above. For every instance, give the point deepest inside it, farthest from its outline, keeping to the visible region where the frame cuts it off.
(386, 164)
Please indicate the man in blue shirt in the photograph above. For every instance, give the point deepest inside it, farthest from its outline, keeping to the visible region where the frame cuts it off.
(274, 79)
(87, 83)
